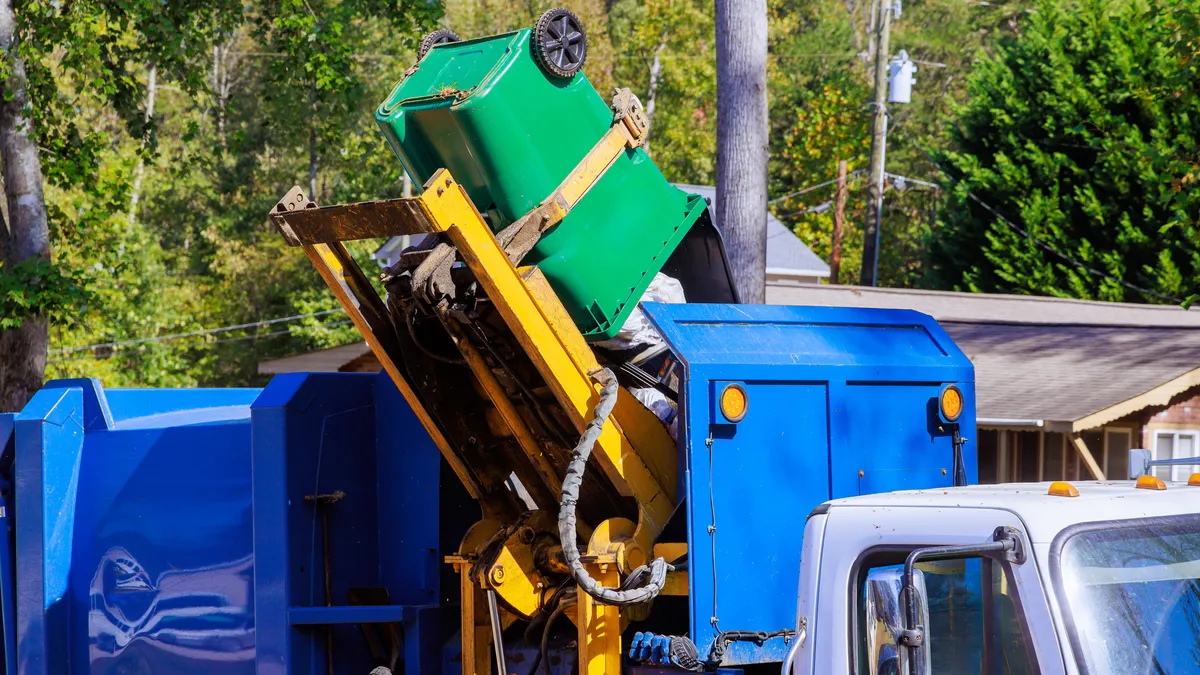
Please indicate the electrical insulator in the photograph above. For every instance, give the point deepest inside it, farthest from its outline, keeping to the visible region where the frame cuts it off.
(900, 78)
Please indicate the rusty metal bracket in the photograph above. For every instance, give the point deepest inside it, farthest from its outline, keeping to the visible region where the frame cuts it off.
(303, 223)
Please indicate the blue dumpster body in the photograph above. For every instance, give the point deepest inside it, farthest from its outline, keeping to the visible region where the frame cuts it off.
(197, 531)
(167, 531)
(841, 402)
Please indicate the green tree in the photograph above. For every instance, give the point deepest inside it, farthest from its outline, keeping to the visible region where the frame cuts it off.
(70, 93)
(1083, 132)
(200, 255)
(821, 80)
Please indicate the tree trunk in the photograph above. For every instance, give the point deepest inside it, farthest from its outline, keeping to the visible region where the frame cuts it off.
(26, 235)
(652, 93)
(870, 256)
(742, 141)
(224, 77)
(139, 172)
(218, 92)
(839, 222)
(312, 146)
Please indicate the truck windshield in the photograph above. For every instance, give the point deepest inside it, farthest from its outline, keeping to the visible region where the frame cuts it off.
(1131, 593)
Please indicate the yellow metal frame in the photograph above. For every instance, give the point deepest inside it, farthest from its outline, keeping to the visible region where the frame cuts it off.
(634, 449)
(561, 355)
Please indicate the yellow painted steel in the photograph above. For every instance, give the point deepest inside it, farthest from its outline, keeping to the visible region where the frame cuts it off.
(599, 627)
(474, 623)
(677, 581)
(634, 450)
(644, 430)
(627, 131)
(598, 160)
(513, 573)
(494, 391)
(553, 354)
(475, 627)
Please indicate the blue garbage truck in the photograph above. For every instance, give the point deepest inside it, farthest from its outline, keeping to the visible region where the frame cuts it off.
(313, 526)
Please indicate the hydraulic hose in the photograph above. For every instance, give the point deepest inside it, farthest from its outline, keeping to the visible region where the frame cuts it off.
(657, 570)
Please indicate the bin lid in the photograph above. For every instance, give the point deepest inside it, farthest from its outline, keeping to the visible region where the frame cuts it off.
(898, 340)
(451, 71)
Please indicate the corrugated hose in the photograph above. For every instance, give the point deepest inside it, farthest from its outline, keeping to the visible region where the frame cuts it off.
(654, 574)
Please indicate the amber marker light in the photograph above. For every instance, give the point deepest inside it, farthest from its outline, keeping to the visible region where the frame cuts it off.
(734, 402)
(1150, 483)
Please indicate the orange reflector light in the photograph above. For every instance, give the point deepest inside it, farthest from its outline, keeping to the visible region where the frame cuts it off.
(1062, 489)
(951, 403)
(1150, 483)
(734, 402)
(1194, 480)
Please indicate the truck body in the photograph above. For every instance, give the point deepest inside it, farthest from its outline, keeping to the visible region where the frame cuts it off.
(1105, 581)
(282, 530)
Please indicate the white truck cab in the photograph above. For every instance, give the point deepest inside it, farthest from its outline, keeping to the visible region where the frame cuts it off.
(1090, 577)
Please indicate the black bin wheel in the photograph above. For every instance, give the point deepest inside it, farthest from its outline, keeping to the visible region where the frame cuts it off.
(559, 42)
(437, 37)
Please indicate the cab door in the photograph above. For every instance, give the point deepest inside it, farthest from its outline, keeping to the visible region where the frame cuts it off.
(986, 616)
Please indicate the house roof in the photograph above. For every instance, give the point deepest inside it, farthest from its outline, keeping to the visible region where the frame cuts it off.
(323, 361)
(1067, 363)
(786, 254)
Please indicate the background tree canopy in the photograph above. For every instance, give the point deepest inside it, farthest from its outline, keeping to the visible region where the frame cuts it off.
(1083, 130)
(168, 130)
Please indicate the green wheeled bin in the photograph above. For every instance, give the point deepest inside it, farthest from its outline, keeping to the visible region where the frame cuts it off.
(509, 132)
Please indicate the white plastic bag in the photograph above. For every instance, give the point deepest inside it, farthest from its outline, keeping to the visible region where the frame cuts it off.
(662, 407)
(637, 332)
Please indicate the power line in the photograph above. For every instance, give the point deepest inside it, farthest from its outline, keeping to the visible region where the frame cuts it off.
(1041, 244)
(915, 181)
(819, 208)
(1064, 256)
(196, 333)
(811, 188)
(256, 336)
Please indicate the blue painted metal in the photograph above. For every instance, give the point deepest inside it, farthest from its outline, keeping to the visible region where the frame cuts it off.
(318, 434)
(840, 402)
(133, 543)
(651, 648)
(166, 531)
(8, 579)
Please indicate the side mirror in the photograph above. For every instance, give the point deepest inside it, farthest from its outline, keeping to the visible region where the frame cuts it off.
(1139, 463)
(885, 620)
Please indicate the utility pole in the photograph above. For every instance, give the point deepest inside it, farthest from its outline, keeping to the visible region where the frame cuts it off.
(839, 222)
(870, 260)
(741, 27)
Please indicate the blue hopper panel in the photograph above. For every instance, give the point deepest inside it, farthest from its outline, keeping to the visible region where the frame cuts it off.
(840, 402)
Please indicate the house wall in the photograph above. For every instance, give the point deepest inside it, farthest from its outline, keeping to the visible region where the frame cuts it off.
(1173, 432)
(1025, 455)
(1034, 454)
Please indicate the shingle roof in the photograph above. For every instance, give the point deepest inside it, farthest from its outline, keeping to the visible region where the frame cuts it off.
(1043, 358)
(322, 361)
(1066, 373)
(786, 254)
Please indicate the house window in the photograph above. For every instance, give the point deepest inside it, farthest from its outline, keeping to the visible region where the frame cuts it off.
(1175, 445)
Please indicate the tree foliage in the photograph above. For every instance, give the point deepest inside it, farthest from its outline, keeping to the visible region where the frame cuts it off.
(229, 135)
(1082, 133)
(1077, 122)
